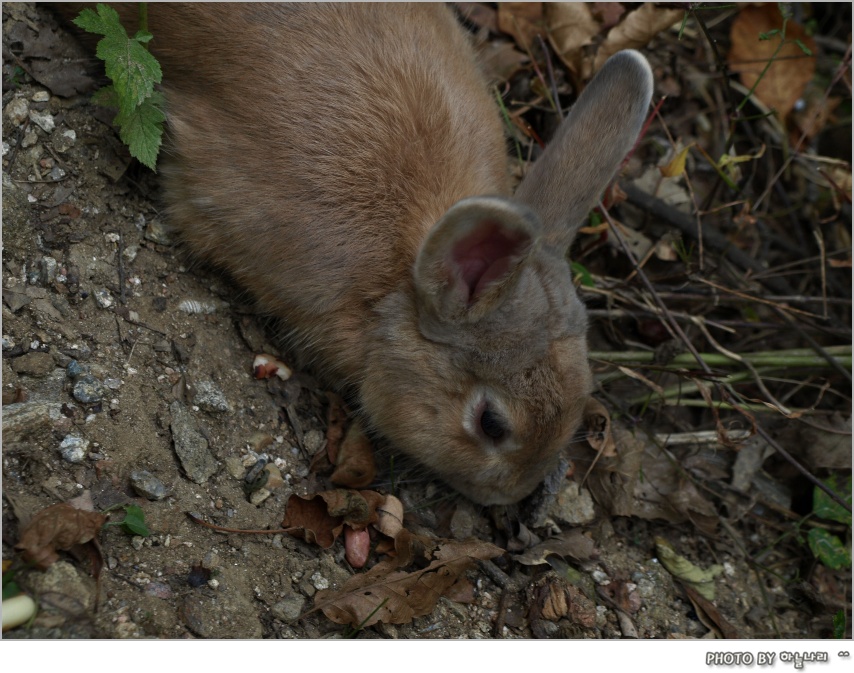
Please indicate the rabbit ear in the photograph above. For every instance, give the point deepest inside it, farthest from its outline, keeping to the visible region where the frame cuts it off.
(603, 125)
(470, 259)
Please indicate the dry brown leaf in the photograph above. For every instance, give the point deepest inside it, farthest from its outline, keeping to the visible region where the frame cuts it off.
(640, 481)
(320, 518)
(522, 20)
(354, 467)
(607, 13)
(571, 543)
(58, 527)
(570, 26)
(500, 60)
(636, 30)
(709, 615)
(792, 70)
(387, 594)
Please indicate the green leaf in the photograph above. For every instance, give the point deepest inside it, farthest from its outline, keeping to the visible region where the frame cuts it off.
(839, 624)
(768, 35)
(134, 521)
(142, 129)
(581, 271)
(829, 549)
(804, 48)
(825, 508)
(134, 73)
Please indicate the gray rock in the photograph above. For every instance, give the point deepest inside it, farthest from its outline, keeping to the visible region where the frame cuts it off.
(88, 390)
(191, 447)
(16, 111)
(147, 485)
(29, 420)
(210, 398)
(573, 505)
(75, 369)
(73, 449)
(103, 298)
(44, 120)
(289, 609)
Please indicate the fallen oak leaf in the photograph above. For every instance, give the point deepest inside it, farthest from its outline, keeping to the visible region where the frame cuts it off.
(320, 518)
(58, 527)
(387, 594)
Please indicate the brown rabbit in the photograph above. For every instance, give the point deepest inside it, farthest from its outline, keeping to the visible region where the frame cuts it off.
(347, 165)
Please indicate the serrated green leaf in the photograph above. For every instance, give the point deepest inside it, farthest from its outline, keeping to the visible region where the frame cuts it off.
(829, 549)
(133, 70)
(142, 129)
(104, 21)
(825, 508)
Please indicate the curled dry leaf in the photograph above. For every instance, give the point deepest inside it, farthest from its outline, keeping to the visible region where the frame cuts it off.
(641, 481)
(319, 519)
(57, 527)
(792, 70)
(709, 615)
(522, 20)
(636, 30)
(386, 594)
(355, 466)
(570, 26)
(390, 517)
(499, 61)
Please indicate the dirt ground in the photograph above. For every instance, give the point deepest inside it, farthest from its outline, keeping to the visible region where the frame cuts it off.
(116, 348)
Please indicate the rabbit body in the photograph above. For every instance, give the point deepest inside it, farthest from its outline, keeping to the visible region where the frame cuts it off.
(347, 165)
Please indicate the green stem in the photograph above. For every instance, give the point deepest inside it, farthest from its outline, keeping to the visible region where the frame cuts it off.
(795, 357)
(143, 17)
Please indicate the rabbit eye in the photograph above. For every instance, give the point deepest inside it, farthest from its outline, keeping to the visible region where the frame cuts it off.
(492, 425)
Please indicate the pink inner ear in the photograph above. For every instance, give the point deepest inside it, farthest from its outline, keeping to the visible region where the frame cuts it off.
(485, 255)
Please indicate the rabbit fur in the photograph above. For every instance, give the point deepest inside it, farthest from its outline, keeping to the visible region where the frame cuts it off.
(347, 165)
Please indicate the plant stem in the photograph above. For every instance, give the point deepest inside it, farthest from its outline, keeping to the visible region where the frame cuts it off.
(795, 357)
(143, 18)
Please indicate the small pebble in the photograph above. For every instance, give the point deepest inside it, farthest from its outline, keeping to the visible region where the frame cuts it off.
(288, 609)
(16, 111)
(103, 298)
(41, 97)
(319, 582)
(158, 590)
(210, 398)
(43, 120)
(75, 369)
(88, 390)
(147, 485)
(73, 449)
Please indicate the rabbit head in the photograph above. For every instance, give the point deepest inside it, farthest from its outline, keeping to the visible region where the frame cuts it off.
(478, 366)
